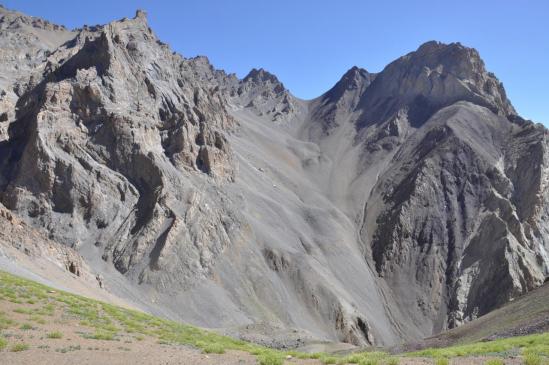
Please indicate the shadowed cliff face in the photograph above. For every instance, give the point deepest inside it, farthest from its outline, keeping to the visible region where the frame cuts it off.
(393, 206)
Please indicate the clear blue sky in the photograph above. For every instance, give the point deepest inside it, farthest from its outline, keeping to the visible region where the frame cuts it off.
(310, 44)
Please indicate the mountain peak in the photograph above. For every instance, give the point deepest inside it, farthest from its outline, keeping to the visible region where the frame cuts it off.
(355, 77)
(261, 75)
(264, 93)
(436, 45)
(455, 58)
(355, 80)
(434, 76)
(141, 14)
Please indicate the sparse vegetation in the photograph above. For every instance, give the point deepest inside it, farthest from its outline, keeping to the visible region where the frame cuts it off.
(19, 347)
(55, 335)
(36, 318)
(110, 323)
(270, 358)
(213, 348)
(494, 362)
(22, 310)
(367, 358)
(441, 361)
(328, 359)
(5, 322)
(64, 350)
(538, 344)
(101, 335)
(26, 326)
(352, 359)
(369, 362)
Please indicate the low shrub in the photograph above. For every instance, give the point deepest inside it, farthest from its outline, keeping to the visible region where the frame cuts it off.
(55, 335)
(270, 358)
(19, 347)
(26, 326)
(213, 348)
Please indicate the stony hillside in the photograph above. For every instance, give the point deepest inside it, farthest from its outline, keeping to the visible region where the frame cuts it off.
(394, 206)
(528, 314)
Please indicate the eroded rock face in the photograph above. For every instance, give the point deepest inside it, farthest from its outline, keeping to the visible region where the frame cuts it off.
(451, 221)
(393, 206)
(103, 149)
(26, 42)
(16, 234)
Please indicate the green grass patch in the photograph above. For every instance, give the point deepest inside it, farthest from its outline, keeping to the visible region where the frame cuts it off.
(19, 347)
(270, 358)
(55, 335)
(3, 343)
(538, 343)
(369, 362)
(494, 362)
(36, 318)
(531, 358)
(441, 361)
(26, 326)
(328, 359)
(105, 336)
(367, 358)
(5, 322)
(213, 348)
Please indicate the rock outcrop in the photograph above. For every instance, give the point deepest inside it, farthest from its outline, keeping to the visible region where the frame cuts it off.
(394, 206)
(26, 42)
(434, 76)
(17, 236)
(265, 95)
(103, 149)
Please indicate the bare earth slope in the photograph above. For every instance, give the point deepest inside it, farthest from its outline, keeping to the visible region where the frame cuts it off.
(392, 207)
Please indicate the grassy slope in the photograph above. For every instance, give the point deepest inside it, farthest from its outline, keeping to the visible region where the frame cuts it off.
(107, 322)
(526, 315)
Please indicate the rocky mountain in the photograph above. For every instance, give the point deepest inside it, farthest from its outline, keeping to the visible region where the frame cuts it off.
(394, 206)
